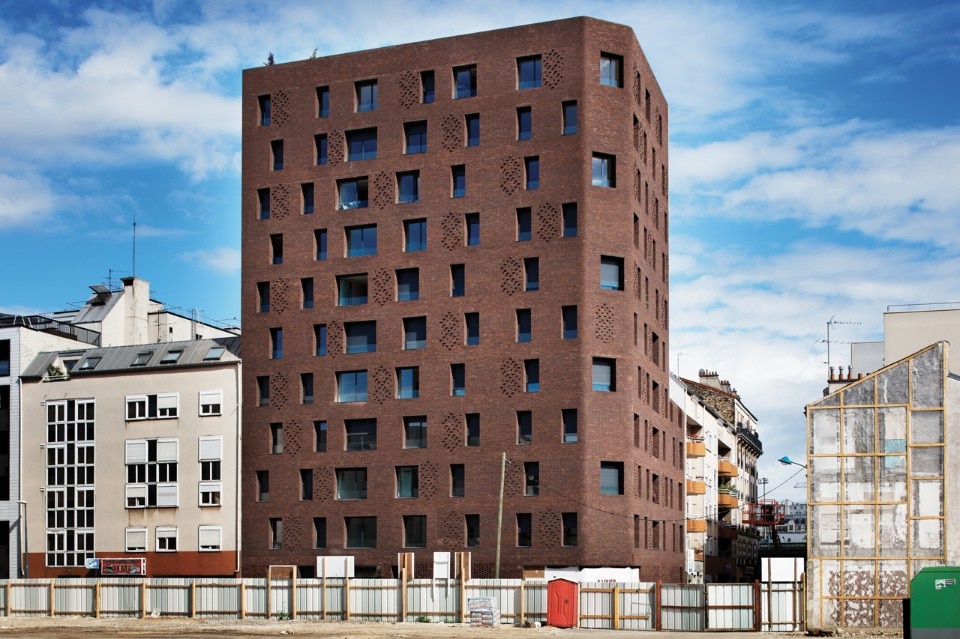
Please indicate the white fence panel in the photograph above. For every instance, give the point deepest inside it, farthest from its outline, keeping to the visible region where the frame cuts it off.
(30, 597)
(782, 606)
(121, 597)
(255, 602)
(682, 607)
(217, 598)
(535, 600)
(374, 600)
(730, 606)
(436, 600)
(638, 606)
(74, 596)
(506, 592)
(596, 605)
(280, 598)
(169, 596)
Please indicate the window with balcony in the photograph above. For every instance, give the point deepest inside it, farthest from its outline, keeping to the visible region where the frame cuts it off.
(351, 289)
(351, 483)
(529, 72)
(366, 95)
(362, 144)
(361, 337)
(360, 434)
(352, 386)
(408, 382)
(408, 284)
(414, 333)
(361, 240)
(415, 432)
(408, 187)
(465, 81)
(524, 427)
(352, 193)
(415, 137)
(415, 235)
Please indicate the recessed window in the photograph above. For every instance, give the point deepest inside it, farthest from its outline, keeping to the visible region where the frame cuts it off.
(570, 219)
(569, 117)
(361, 337)
(351, 483)
(263, 390)
(263, 297)
(320, 339)
(263, 485)
(414, 531)
(471, 525)
(276, 152)
(276, 343)
(352, 289)
(263, 203)
(408, 482)
(531, 375)
(604, 374)
(320, 146)
(361, 240)
(414, 235)
(524, 427)
(306, 484)
(361, 532)
(264, 103)
(306, 388)
(319, 532)
(458, 173)
(360, 434)
(352, 386)
(458, 286)
(408, 382)
(524, 530)
(362, 144)
(306, 198)
(366, 95)
(472, 121)
(408, 284)
(524, 224)
(320, 241)
(352, 193)
(611, 273)
(611, 70)
(320, 436)
(415, 432)
(276, 248)
(458, 480)
(472, 221)
(414, 333)
(465, 81)
(323, 102)
(166, 539)
(531, 479)
(531, 273)
(458, 380)
(569, 419)
(569, 523)
(472, 428)
(472, 328)
(306, 292)
(611, 478)
(415, 137)
(408, 187)
(529, 72)
(604, 170)
(524, 330)
(524, 123)
(426, 85)
(531, 166)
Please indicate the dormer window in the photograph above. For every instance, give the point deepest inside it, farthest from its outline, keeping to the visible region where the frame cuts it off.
(142, 358)
(172, 357)
(215, 353)
(89, 363)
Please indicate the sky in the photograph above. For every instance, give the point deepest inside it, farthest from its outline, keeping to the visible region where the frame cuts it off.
(814, 162)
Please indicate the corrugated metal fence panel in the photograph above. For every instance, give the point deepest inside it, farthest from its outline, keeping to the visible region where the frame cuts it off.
(120, 597)
(596, 604)
(730, 606)
(682, 607)
(335, 599)
(782, 606)
(637, 606)
(309, 598)
(74, 596)
(280, 597)
(30, 597)
(506, 592)
(535, 600)
(374, 599)
(169, 596)
(217, 598)
(437, 600)
(256, 597)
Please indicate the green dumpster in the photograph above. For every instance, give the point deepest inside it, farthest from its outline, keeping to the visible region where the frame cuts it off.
(935, 603)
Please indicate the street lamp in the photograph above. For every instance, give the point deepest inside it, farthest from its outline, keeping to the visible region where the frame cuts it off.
(786, 461)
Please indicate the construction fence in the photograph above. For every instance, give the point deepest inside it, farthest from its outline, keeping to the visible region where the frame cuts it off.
(770, 606)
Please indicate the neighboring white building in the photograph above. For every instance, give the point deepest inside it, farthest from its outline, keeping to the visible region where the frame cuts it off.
(132, 452)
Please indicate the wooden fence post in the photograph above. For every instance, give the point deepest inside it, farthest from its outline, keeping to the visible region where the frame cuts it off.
(656, 605)
(143, 598)
(757, 608)
(8, 591)
(53, 606)
(346, 598)
(243, 599)
(193, 598)
(616, 606)
(96, 599)
(522, 602)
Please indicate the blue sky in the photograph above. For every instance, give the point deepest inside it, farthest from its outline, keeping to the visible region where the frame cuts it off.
(815, 148)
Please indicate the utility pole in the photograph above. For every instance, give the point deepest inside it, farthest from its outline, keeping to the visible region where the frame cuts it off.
(763, 481)
(503, 470)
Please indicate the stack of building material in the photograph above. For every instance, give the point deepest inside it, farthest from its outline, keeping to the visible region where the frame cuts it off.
(483, 612)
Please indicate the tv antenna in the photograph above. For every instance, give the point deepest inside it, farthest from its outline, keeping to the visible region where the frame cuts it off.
(833, 321)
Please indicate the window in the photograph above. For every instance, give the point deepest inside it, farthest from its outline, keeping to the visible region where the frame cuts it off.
(351, 483)
(276, 343)
(569, 418)
(414, 531)
(569, 321)
(408, 482)
(464, 81)
(611, 478)
(319, 532)
(276, 438)
(569, 522)
(306, 292)
(306, 484)
(276, 151)
(276, 248)
(306, 388)
(473, 228)
(263, 390)
(524, 427)
(151, 466)
(524, 330)
(208, 538)
(323, 102)
(408, 187)
(320, 144)
(408, 382)
(142, 358)
(320, 240)
(352, 386)
(472, 526)
(306, 198)
(528, 72)
(414, 333)
(210, 402)
(415, 432)
(569, 117)
(361, 532)
(320, 436)
(531, 375)
(362, 144)
(353, 193)
(524, 529)
(264, 102)
(352, 289)
(531, 479)
(472, 425)
(361, 337)
(604, 170)
(135, 540)
(611, 70)
(524, 123)
(570, 219)
(531, 273)
(458, 286)
(156, 406)
(414, 235)
(214, 354)
(320, 339)
(366, 95)
(90, 363)
(361, 240)
(524, 224)
(210, 456)
(472, 326)
(426, 84)
(604, 374)
(415, 137)
(360, 434)
(458, 380)
(472, 120)
(458, 174)
(408, 284)
(611, 273)
(166, 539)
(263, 203)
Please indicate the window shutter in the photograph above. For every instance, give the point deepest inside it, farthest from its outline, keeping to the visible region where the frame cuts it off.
(167, 450)
(136, 451)
(167, 495)
(211, 448)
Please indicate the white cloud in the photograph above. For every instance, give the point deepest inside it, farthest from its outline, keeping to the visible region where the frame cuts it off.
(221, 260)
(25, 200)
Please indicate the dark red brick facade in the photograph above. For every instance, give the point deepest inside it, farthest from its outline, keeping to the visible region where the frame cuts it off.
(634, 428)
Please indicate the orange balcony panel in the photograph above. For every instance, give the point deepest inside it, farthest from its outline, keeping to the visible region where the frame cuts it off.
(696, 449)
(725, 500)
(728, 532)
(696, 487)
(726, 469)
(696, 525)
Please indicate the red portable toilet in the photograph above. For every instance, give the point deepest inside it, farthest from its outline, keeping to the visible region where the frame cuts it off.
(562, 598)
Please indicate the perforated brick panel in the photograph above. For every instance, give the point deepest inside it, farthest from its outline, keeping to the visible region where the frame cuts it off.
(279, 390)
(280, 296)
(293, 531)
(511, 377)
(548, 221)
(451, 330)
(451, 131)
(381, 385)
(335, 148)
(552, 69)
(381, 287)
(606, 327)
(452, 431)
(279, 108)
(513, 479)
(429, 480)
(323, 480)
(452, 231)
(409, 91)
(549, 528)
(511, 175)
(382, 190)
(637, 89)
(293, 437)
(280, 201)
(452, 532)
(511, 272)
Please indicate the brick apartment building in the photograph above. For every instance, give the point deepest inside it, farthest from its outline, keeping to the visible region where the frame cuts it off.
(454, 250)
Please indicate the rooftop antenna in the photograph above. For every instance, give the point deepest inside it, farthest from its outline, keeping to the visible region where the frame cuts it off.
(835, 322)
(134, 243)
